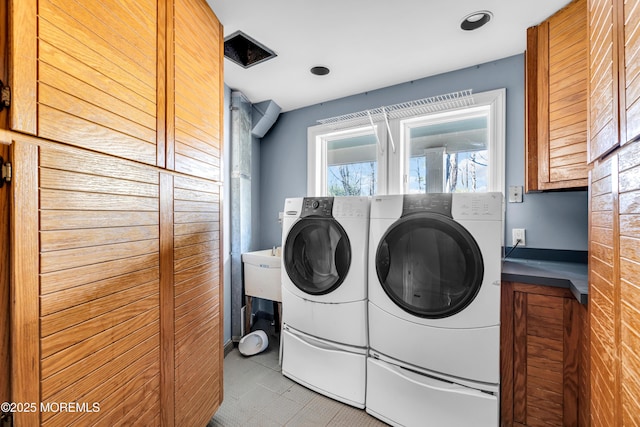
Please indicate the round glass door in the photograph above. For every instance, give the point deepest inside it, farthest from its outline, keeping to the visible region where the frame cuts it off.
(317, 255)
(429, 265)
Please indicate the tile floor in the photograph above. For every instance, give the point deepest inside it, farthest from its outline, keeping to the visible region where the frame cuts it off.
(257, 394)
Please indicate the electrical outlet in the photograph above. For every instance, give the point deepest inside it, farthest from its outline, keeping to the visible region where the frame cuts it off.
(518, 234)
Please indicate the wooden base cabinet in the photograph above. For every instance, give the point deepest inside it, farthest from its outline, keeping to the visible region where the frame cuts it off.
(544, 363)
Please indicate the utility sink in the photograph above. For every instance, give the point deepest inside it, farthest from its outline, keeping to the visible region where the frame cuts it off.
(262, 274)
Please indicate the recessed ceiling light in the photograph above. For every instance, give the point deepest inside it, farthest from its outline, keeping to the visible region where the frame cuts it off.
(475, 20)
(319, 71)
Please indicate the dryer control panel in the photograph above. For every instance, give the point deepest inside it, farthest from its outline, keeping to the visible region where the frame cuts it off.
(432, 202)
(317, 206)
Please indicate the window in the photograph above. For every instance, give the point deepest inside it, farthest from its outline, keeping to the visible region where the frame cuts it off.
(347, 162)
(459, 150)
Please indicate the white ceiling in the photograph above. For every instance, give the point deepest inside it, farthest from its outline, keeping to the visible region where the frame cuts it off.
(367, 44)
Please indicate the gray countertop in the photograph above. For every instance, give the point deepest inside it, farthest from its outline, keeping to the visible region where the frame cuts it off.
(549, 273)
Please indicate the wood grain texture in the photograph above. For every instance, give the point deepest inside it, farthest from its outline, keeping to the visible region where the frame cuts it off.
(556, 106)
(4, 56)
(631, 89)
(584, 373)
(170, 77)
(542, 76)
(567, 86)
(519, 358)
(163, 74)
(603, 78)
(629, 276)
(121, 298)
(24, 68)
(90, 101)
(604, 293)
(542, 359)
(167, 297)
(5, 298)
(25, 328)
(197, 300)
(196, 137)
(99, 284)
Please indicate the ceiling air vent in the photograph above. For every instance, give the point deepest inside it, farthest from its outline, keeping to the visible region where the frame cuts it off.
(245, 51)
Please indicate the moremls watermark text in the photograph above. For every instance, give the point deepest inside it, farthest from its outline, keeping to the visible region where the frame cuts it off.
(13, 407)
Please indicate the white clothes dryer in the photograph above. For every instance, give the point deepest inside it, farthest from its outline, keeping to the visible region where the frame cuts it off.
(324, 295)
(434, 305)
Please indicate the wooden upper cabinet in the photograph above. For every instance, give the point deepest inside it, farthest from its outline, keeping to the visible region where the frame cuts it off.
(85, 73)
(195, 90)
(556, 90)
(631, 13)
(603, 78)
(141, 80)
(614, 81)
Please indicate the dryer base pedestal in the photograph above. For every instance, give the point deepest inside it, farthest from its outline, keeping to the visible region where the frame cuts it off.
(401, 397)
(335, 370)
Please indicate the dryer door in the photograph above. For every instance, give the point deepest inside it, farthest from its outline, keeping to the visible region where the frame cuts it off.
(429, 265)
(317, 255)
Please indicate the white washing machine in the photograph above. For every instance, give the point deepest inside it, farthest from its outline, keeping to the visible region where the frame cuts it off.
(324, 295)
(434, 309)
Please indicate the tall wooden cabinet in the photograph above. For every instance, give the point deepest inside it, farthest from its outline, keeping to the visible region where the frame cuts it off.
(614, 287)
(614, 211)
(116, 295)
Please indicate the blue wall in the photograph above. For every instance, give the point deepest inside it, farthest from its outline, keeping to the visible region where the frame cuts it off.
(552, 220)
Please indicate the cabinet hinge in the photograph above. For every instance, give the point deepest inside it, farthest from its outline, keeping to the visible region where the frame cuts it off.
(5, 172)
(5, 96)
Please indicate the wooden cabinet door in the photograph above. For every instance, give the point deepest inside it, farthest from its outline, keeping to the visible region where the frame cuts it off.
(614, 286)
(603, 291)
(544, 373)
(603, 78)
(85, 287)
(629, 284)
(5, 298)
(557, 100)
(116, 290)
(631, 65)
(198, 328)
(195, 88)
(85, 73)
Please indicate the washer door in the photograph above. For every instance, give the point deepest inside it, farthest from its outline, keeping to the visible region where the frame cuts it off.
(429, 265)
(317, 255)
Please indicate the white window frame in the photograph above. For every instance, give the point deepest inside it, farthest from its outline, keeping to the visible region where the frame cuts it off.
(392, 163)
(318, 138)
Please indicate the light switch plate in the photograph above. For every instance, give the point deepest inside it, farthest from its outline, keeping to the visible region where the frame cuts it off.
(515, 194)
